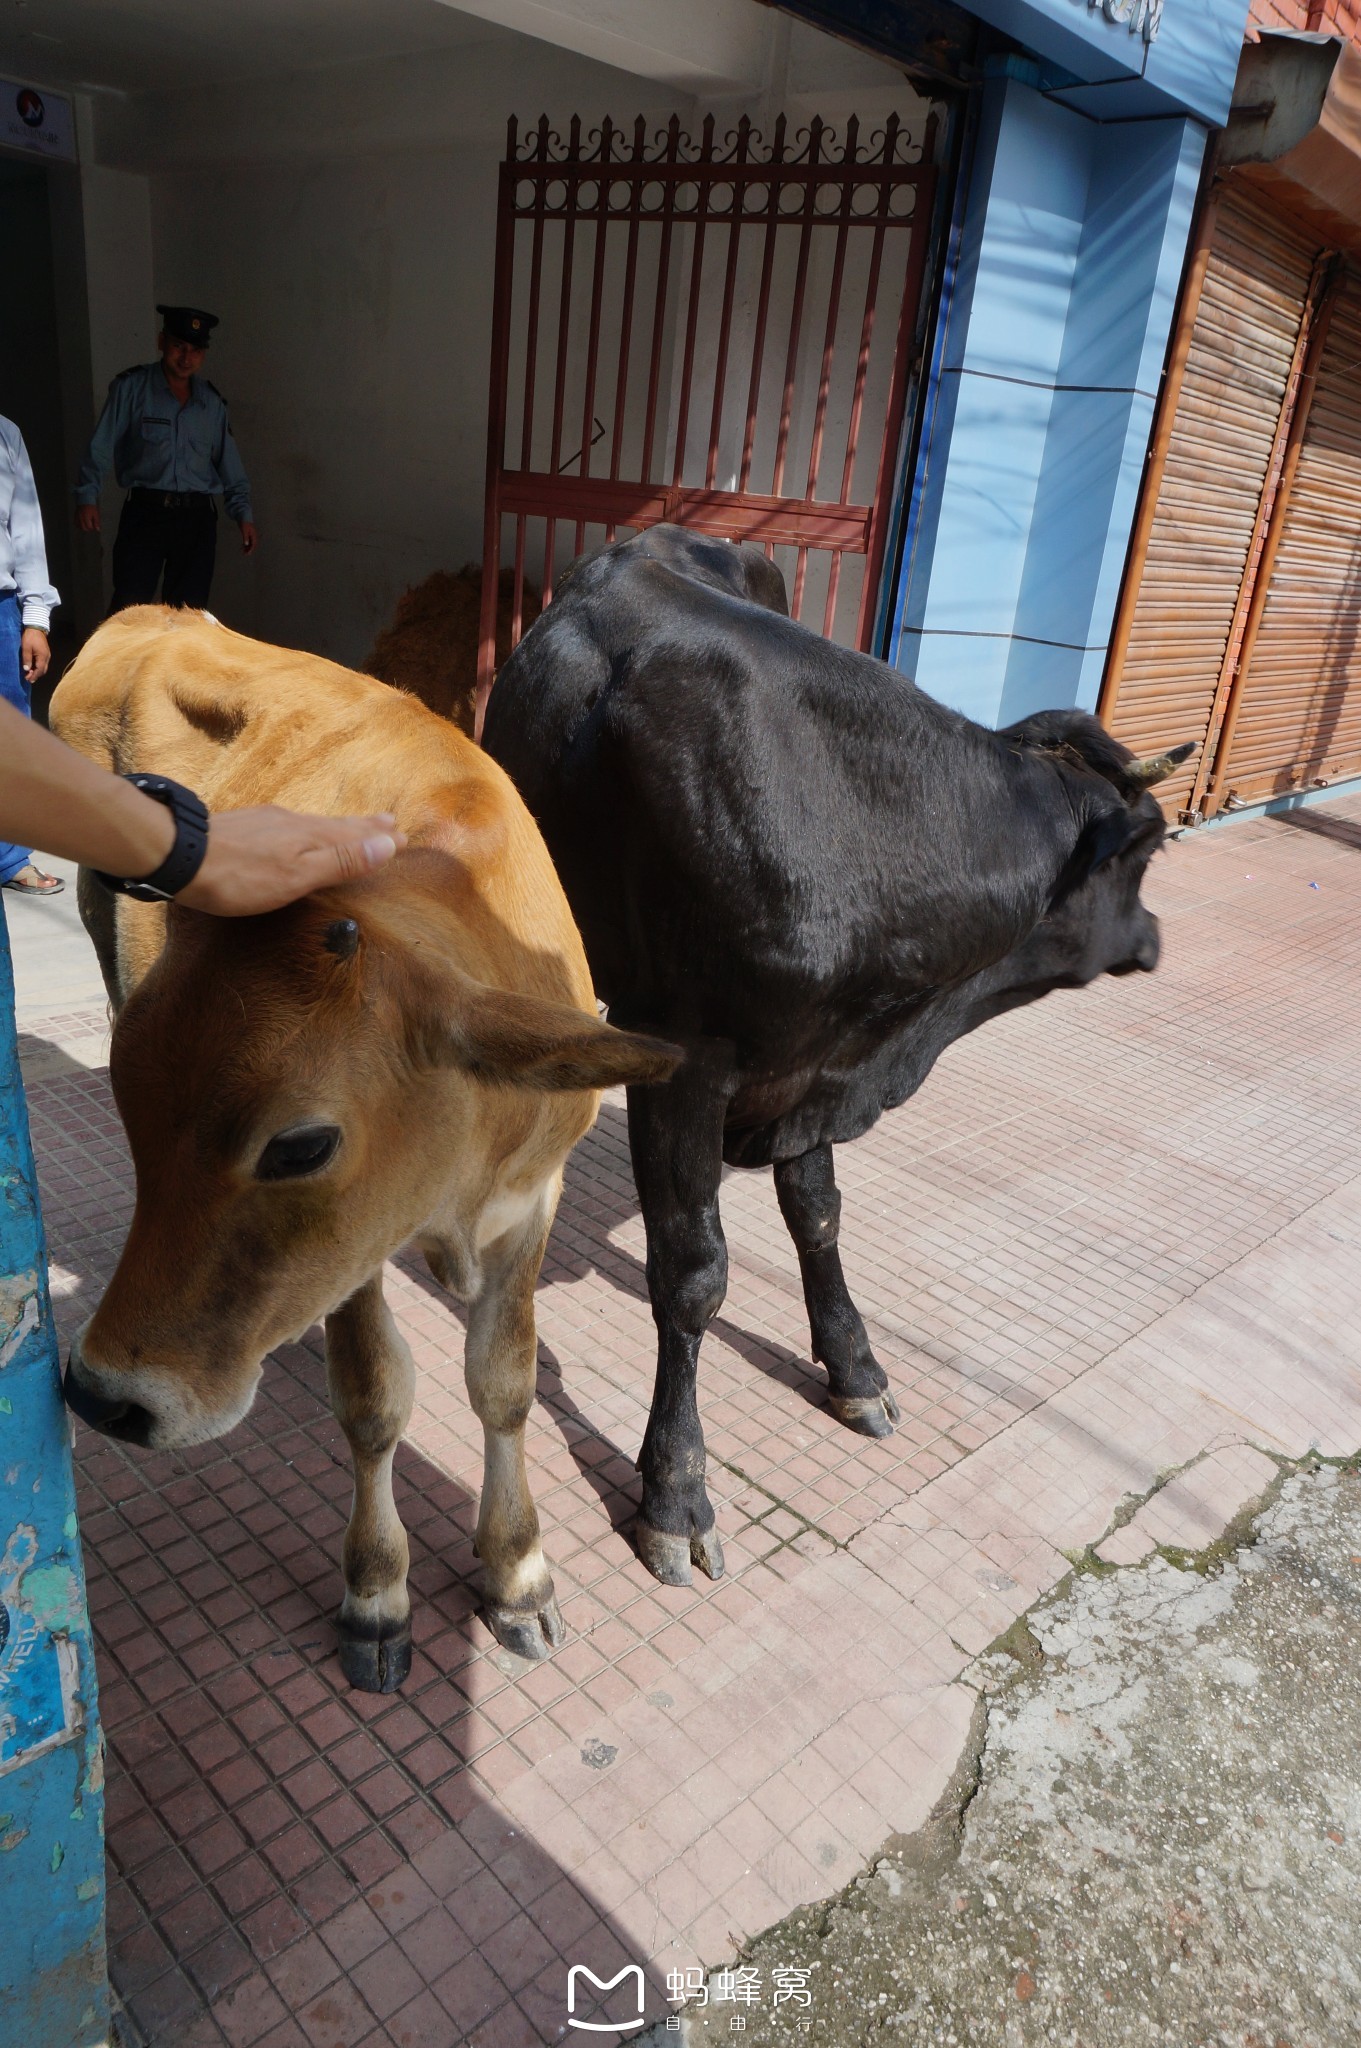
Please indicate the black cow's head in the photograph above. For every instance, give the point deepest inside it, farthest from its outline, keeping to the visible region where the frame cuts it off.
(1095, 922)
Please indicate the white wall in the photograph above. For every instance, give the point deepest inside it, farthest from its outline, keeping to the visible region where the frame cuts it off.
(342, 225)
(119, 274)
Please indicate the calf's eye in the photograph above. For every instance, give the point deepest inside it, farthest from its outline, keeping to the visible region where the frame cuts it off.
(293, 1154)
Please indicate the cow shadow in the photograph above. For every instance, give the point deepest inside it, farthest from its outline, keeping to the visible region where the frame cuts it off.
(258, 1808)
(599, 1197)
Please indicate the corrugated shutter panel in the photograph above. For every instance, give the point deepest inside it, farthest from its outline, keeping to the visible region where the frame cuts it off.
(1255, 286)
(1300, 717)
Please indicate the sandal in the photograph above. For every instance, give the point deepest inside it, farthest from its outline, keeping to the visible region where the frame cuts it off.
(31, 881)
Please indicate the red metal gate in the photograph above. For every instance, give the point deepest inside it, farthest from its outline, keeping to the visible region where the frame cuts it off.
(633, 277)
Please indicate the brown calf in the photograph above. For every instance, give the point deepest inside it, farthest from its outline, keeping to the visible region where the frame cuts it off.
(411, 1056)
(431, 646)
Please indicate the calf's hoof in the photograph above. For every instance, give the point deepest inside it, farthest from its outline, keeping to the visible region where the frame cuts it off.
(530, 1633)
(377, 1659)
(867, 1414)
(669, 1558)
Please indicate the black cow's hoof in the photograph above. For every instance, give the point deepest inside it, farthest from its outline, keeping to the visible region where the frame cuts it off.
(669, 1558)
(376, 1664)
(533, 1636)
(867, 1415)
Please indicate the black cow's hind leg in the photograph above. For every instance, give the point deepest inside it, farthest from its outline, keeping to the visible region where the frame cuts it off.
(676, 1138)
(858, 1390)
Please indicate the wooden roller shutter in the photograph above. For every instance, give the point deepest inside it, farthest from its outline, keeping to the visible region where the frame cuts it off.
(1298, 721)
(1176, 641)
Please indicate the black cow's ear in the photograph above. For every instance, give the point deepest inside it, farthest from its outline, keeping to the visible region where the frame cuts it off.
(520, 1041)
(1104, 837)
(1100, 840)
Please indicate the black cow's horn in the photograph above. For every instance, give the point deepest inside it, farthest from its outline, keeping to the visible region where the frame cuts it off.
(342, 938)
(1157, 767)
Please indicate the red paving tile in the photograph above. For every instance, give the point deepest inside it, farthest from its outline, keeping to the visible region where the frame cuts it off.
(1036, 1244)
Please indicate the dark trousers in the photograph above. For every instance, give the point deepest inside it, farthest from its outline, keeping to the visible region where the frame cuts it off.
(174, 532)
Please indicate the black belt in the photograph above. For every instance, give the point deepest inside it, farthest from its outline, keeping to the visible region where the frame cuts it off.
(170, 501)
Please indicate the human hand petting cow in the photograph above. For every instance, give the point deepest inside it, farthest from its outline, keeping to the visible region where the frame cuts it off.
(254, 860)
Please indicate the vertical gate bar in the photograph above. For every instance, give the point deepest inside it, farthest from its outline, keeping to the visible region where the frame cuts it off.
(621, 375)
(862, 363)
(1322, 322)
(571, 169)
(833, 310)
(1247, 588)
(791, 364)
(572, 188)
(672, 155)
(597, 288)
(833, 583)
(862, 360)
(800, 569)
(517, 604)
(763, 304)
(1165, 420)
(532, 344)
(897, 403)
(725, 323)
(706, 151)
(496, 429)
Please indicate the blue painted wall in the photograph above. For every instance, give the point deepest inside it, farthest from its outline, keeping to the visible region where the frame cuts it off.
(1073, 239)
(53, 1985)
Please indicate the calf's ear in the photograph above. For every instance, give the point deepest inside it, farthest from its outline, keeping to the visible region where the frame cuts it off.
(524, 1042)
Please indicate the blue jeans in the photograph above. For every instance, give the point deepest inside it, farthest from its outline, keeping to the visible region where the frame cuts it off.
(15, 691)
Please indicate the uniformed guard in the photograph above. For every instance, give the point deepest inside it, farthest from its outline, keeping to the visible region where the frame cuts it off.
(165, 430)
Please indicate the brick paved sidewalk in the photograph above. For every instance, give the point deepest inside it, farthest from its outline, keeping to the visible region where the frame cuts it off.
(1116, 1234)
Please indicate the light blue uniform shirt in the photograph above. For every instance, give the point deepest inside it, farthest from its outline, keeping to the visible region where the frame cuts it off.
(156, 444)
(23, 555)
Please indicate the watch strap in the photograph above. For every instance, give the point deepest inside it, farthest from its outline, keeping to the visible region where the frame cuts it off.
(185, 857)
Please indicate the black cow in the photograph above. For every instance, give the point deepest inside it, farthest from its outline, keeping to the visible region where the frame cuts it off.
(815, 877)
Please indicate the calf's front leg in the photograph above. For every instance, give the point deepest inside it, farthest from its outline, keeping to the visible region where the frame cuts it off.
(372, 1383)
(500, 1356)
(676, 1140)
(810, 1202)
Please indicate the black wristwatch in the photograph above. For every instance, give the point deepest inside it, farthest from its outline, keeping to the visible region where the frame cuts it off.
(185, 857)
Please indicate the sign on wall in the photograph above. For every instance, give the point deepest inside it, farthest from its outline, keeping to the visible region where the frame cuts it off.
(1140, 17)
(34, 119)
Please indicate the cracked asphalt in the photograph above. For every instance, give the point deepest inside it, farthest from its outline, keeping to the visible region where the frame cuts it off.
(1155, 1835)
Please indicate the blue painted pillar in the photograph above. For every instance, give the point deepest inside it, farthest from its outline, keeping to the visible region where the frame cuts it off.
(1070, 257)
(53, 1980)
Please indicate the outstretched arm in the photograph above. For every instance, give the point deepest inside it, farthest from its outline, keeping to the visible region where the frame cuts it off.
(257, 860)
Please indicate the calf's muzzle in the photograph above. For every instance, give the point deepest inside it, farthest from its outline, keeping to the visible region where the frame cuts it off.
(120, 1418)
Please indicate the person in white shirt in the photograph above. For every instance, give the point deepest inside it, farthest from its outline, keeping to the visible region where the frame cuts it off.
(26, 603)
